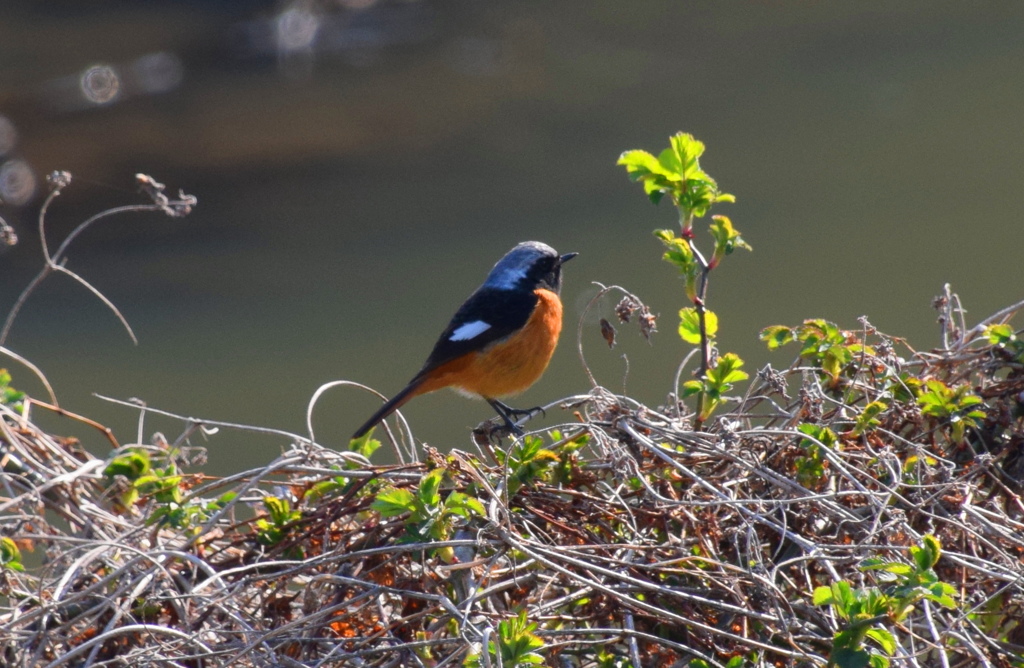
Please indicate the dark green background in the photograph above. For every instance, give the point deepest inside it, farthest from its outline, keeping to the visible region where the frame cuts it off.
(350, 199)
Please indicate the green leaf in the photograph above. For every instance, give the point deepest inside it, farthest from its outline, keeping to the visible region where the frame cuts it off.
(878, 661)
(970, 400)
(463, 505)
(999, 335)
(850, 658)
(394, 501)
(653, 191)
(930, 551)
(325, 488)
(868, 417)
(835, 358)
(8, 395)
(689, 324)
(639, 164)
(819, 433)
(131, 464)
(944, 594)
(670, 166)
(429, 490)
(364, 445)
(885, 639)
(921, 558)
(727, 239)
(843, 596)
(726, 372)
(676, 172)
(280, 510)
(691, 387)
(667, 237)
(823, 596)
(876, 603)
(777, 336)
(644, 167)
(895, 567)
(156, 484)
(10, 555)
(685, 150)
(678, 252)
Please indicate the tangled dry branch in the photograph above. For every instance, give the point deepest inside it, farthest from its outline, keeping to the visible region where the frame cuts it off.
(627, 537)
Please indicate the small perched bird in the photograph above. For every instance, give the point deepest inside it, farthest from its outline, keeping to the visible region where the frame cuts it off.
(500, 340)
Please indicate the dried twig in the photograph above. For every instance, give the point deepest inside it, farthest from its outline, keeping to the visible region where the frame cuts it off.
(655, 543)
(181, 206)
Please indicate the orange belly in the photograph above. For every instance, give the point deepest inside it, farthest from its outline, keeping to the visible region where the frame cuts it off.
(509, 366)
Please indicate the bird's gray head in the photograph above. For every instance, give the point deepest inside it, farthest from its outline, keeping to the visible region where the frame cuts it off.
(530, 265)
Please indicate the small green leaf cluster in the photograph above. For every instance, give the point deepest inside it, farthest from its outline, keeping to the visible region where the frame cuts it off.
(365, 446)
(131, 463)
(912, 466)
(810, 468)
(9, 396)
(274, 527)
(689, 325)
(727, 239)
(196, 511)
(956, 407)
(866, 611)
(431, 517)
(608, 659)
(1006, 339)
(164, 487)
(676, 172)
(718, 380)
(825, 346)
(568, 455)
(10, 555)
(526, 462)
(679, 253)
(516, 645)
(868, 418)
(879, 390)
(910, 583)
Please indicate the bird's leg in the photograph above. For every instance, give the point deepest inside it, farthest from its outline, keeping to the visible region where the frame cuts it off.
(509, 414)
(524, 412)
(502, 411)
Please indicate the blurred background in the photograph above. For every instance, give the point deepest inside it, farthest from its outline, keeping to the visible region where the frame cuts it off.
(360, 165)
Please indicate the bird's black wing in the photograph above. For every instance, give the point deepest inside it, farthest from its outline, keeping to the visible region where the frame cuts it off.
(504, 311)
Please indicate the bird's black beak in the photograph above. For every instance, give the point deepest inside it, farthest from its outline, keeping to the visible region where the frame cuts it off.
(565, 258)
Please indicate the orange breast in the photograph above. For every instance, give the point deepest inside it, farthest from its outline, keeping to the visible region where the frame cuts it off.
(510, 365)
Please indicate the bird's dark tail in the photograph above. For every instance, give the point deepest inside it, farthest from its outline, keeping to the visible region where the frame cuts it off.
(392, 405)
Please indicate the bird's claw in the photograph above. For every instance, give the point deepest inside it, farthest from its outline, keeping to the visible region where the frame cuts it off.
(514, 417)
(526, 413)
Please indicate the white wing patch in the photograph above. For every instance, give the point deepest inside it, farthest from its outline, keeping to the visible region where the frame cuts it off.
(469, 330)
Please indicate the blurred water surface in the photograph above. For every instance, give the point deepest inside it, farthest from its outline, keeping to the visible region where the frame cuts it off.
(361, 165)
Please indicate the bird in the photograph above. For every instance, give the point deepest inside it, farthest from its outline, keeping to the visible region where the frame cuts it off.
(500, 341)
